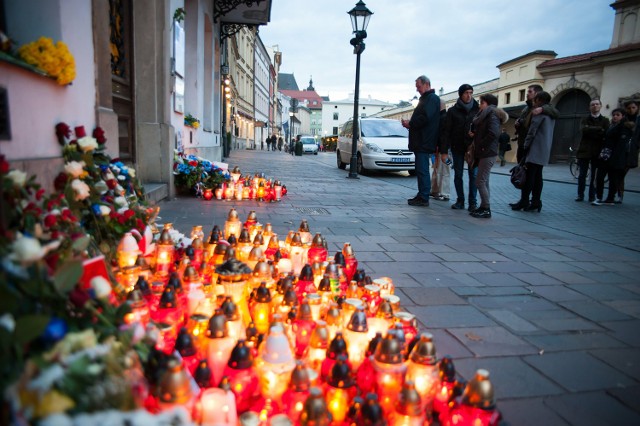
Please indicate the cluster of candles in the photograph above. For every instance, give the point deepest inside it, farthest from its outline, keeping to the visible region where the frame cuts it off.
(253, 330)
(240, 187)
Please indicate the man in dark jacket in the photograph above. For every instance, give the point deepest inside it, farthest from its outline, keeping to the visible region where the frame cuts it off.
(455, 136)
(593, 129)
(424, 130)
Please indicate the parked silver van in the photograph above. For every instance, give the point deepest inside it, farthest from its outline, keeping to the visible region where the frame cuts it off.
(383, 145)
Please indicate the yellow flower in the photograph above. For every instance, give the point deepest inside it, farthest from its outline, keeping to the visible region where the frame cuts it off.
(55, 60)
(53, 402)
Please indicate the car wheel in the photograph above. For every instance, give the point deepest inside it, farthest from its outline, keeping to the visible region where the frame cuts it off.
(360, 166)
(315, 153)
(412, 172)
(341, 165)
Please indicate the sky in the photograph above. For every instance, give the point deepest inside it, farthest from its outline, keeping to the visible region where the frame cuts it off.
(450, 41)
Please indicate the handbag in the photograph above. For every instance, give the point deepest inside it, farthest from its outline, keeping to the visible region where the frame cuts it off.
(605, 154)
(470, 154)
(507, 147)
(518, 175)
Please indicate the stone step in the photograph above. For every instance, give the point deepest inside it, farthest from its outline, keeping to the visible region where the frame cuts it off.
(156, 192)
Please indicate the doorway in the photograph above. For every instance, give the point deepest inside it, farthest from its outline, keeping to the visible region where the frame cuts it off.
(573, 107)
(122, 89)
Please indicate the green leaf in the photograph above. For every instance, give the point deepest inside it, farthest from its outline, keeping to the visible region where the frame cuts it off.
(28, 327)
(68, 276)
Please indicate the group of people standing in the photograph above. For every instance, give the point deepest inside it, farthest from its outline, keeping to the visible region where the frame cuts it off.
(608, 149)
(273, 142)
(470, 130)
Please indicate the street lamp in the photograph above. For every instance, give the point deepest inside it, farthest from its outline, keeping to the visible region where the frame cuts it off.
(291, 114)
(360, 16)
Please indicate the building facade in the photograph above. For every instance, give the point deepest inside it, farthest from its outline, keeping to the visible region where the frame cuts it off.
(336, 113)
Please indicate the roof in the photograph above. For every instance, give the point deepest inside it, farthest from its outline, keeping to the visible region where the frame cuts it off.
(287, 82)
(534, 53)
(310, 98)
(589, 56)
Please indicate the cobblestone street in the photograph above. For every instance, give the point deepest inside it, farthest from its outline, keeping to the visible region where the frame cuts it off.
(548, 302)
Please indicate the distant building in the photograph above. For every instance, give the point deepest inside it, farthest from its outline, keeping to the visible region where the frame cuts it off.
(336, 113)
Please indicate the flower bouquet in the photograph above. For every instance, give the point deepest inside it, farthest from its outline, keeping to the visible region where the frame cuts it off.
(192, 173)
(191, 121)
(54, 59)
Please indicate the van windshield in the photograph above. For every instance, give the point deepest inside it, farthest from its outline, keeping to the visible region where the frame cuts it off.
(383, 129)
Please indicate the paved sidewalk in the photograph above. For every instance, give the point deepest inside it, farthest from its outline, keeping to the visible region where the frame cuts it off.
(548, 302)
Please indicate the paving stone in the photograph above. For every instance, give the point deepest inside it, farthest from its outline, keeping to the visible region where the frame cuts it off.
(492, 341)
(609, 277)
(592, 409)
(529, 412)
(456, 257)
(372, 256)
(557, 293)
(512, 321)
(578, 371)
(446, 344)
(592, 266)
(398, 247)
(510, 267)
(570, 341)
(625, 331)
(497, 279)
(451, 316)
(547, 266)
(569, 277)
(506, 291)
(625, 360)
(551, 256)
(434, 296)
(595, 311)
(510, 377)
(537, 278)
(448, 279)
(490, 257)
(630, 397)
(566, 324)
(433, 248)
(629, 307)
(467, 267)
(607, 291)
(468, 291)
(475, 248)
(412, 256)
(390, 269)
(548, 314)
(512, 303)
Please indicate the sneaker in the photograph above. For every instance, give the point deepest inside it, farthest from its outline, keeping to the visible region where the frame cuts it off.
(459, 205)
(608, 203)
(419, 202)
(596, 202)
(441, 197)
(472, 207)
(591, 200)
(579, 198)
(617, 199)
(481, 213)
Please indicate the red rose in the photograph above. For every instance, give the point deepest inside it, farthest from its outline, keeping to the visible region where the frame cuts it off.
(129, 213)
(50, 220)
(140, 225)
(62, 131)
(193, 163)
(112, 183)
(55, 235)
(98, 133)
(39, 194)
(79, 296)
(4, 165)
(121, 219)
(66, 214)
(80, 132)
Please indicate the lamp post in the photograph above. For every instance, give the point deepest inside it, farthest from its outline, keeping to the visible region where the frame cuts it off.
(360, 16)
(290, 130)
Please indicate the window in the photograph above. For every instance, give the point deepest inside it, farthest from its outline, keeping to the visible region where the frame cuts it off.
(507, 98)
(335, 116)
(521, 96)
(335, 130)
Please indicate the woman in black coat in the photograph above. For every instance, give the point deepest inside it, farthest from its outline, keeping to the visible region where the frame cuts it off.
(613, 157)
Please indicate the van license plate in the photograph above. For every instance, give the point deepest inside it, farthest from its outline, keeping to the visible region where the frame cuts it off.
(400, 160)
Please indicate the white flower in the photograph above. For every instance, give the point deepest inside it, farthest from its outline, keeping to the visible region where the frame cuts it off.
(81, 189)
(26, 250)
(101, 286)
(47, 378)
(101, 187)
(74, 168)
(104, 210)
(87, 144)
(121, 177)
(120, 201)
(8, 322)
(119, 190)
(18, 177)
(132, 172)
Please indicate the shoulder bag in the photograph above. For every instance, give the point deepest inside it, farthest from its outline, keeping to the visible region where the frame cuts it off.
(519, 175)
(470, 154)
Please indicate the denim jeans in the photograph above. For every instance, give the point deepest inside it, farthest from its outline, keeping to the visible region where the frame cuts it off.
(484, 172)
(584, 164)
(423, 175)
(458, 169)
